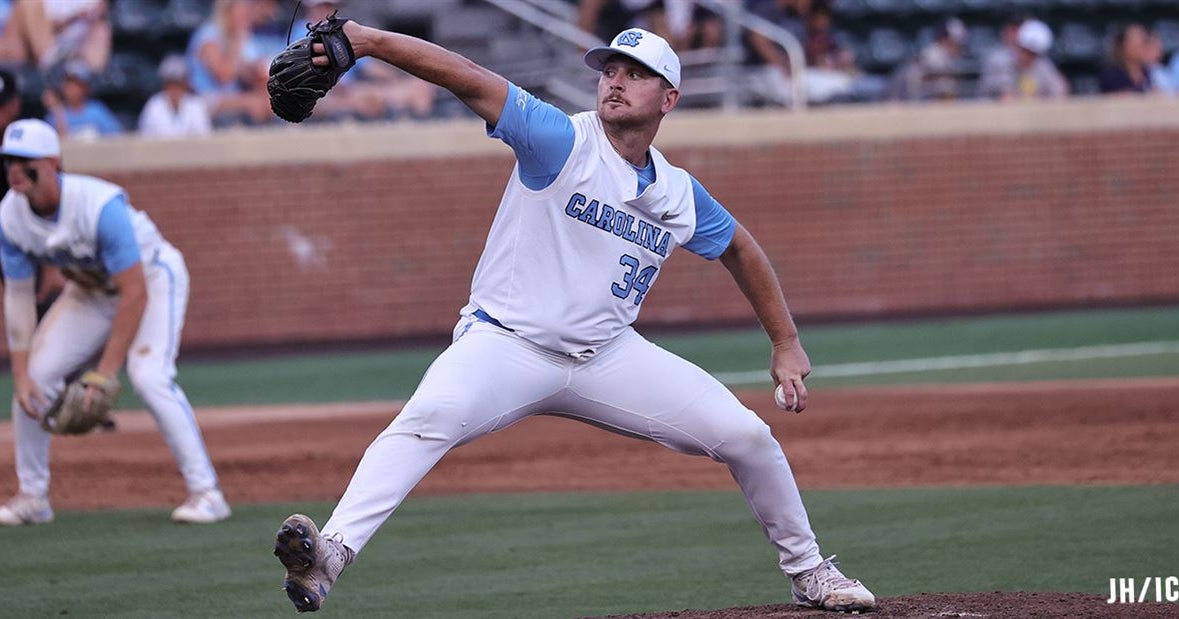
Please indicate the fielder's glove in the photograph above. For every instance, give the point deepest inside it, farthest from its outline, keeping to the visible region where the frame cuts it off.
(71, 415)
(295, 84)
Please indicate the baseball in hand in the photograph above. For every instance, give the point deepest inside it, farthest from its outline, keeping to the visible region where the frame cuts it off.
(780, 399)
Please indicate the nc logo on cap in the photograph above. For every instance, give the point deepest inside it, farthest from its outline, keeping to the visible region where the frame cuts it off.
(630, 38)
(16, 133)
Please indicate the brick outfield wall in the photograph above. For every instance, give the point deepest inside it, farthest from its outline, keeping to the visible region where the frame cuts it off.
(865, 227)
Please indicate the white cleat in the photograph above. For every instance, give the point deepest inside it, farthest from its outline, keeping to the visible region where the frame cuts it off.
(25, 509)
(827, 588)
(202, 508)
(313, 561)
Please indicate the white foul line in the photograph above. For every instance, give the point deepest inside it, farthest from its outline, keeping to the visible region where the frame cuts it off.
(1022, 357)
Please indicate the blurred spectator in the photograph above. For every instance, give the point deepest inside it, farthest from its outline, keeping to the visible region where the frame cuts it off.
(691, 26)
(227, 65)
(788, 14)
(44, 33)
(823, 51)
(49, 280)
(831, 74)
(770, 72)
(1127, 71)
(941, 61)
(174, 111)
(1159, 73)
(271, 27)
(380, 90)
(606, 18)
(997, 76)
(935, 74)
(9, 104)
(371, 90)
(10, 108)
(1033, 75)
(1173, 70)
(72, 111)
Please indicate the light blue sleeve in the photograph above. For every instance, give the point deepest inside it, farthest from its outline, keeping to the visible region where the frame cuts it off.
(714, 225)
(201, 78)
(540, 134)
(117, 247)
(16, 264)
(105, 119)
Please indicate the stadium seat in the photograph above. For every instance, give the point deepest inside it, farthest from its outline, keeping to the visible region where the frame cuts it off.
(937, 7)
(1078, 5)
(1086, 84)
(848, 41)
(187, 15)
(136, 17)
(1035, 7)
(418, 8)
(128, 75)
(1126, 5)
(32, 83)
(844, 10)
(1077, 43)
(128, 119)
(980, 40)
(886, 48)
(476, 23)
(889, 7)
(981, 6)
(1168, 31)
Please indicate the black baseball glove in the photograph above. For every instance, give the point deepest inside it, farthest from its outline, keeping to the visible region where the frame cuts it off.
(295, 84)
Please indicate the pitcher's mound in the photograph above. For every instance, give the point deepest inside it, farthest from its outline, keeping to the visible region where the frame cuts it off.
(997, 605)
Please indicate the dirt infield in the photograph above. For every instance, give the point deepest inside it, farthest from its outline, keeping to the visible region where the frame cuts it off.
(1077, 432)
(996, 605)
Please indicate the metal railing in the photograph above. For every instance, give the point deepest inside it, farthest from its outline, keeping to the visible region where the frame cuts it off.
(544, 15)
(736, 19)
(557, 17)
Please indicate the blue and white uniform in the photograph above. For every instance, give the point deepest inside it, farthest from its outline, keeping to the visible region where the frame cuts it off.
(95, 234)
(577, 242)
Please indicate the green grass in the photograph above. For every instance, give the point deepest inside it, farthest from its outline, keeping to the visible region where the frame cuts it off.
(748, 350)
(592, 554)
(393, 374)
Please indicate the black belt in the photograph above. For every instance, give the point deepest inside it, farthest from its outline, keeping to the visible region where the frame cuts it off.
(485, 317)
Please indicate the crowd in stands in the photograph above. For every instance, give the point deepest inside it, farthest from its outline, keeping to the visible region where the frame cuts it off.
(218, 79)
(1017, 66)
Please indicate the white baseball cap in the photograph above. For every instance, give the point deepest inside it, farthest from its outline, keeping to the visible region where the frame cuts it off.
(650, 49)
(174, 68)
(1034, 36)
(31, 138)
(954, 29)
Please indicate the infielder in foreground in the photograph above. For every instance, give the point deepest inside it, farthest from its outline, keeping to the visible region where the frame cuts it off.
(590, 213)
(124, 304)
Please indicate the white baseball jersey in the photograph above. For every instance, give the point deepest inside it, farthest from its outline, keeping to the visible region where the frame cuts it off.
(78, 324)
(70, 241)
(571, 255)
(568, 266)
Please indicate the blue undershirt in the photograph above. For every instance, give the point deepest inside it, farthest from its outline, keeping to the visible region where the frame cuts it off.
(542, 137)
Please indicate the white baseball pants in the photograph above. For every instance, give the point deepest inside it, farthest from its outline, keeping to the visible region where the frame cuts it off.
(73, 333)
(490, 378)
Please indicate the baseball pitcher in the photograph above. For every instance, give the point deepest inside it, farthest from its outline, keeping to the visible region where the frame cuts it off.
(124, 305)
(589, 215)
